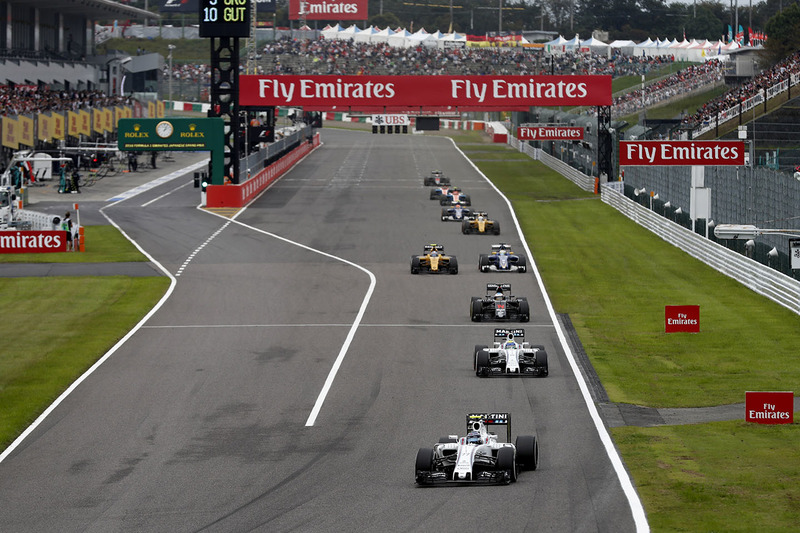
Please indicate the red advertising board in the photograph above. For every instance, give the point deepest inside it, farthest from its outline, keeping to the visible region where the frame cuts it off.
(769, 407)
(328, 9)
(323, 93)
(700, 153)
(682, 318)
(37, 242)
(549, 133)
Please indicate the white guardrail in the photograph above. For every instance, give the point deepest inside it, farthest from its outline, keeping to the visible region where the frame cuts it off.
(762, 279)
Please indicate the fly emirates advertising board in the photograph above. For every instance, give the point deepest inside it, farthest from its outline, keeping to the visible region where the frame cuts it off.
(389, 93)
(692, 153)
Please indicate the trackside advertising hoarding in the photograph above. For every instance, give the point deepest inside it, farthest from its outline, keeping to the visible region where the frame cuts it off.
(682, 318)
(323, 93)
(549, 133)
(769, 407)
(693, 153)
(328, 9)
(27, 242)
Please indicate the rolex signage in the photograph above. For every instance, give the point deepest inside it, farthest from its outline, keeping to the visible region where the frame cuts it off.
(181, 134)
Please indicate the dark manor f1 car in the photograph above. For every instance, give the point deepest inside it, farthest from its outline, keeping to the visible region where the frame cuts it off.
(477, 457)
(434, 260)
(510, 355)
(502, 259)
(499, 304)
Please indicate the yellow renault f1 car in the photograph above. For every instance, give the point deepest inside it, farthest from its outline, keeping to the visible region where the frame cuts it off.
(434, 260)
(479, 222)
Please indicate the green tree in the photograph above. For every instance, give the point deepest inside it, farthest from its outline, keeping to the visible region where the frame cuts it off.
(783, 31)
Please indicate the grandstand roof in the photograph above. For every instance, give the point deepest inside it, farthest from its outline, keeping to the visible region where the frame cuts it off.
(94, 9)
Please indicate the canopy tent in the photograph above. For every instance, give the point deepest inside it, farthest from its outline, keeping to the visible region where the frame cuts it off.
(573, 44)
(382, 36)
(399, 39)
(597, 46)
(348, 33)
(365, 36)
(331, 32)
(452, 40)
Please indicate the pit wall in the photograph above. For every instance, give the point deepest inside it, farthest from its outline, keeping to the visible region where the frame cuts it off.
(239, 195)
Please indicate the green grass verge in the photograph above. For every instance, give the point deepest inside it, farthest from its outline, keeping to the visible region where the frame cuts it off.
(61, 325)
(104, 244)
(613, 278)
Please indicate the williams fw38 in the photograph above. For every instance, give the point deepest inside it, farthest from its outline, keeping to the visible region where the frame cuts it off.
(502, 259)
(499, 304)
(434, 260)
(510, 355)
(477, 457)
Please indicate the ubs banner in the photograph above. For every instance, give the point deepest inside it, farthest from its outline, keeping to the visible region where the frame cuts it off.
(328, 9)
(390, 93)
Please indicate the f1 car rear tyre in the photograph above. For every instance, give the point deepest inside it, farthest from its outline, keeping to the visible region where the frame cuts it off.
(476, 309)
(453, 265)
(424, 459)
(414, 264)
(541, 363)
(478, 348)
(465, 228)
(444, 181)
(483, 263)
(447, 440)
(506, 461)
(467, 201)
(524, 311)
(445, 215)
(482, 364)
(496, 228)
(522, 264)
(527, 452)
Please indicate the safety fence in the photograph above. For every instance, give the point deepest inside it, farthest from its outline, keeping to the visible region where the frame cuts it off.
(239, 195)
(759, 277)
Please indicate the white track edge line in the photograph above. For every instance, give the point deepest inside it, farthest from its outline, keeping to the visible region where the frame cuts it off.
(312, 417)
(637, 509)
(13, 446)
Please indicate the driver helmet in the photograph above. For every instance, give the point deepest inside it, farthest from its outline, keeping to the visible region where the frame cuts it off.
(498, 295)
(502, 252)
(474, 437)
(434, 253)
(511, 345)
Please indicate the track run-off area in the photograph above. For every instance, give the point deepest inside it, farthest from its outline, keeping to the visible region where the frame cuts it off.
(295, 367)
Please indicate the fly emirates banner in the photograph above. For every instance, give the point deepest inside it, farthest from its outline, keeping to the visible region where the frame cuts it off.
(409, 92)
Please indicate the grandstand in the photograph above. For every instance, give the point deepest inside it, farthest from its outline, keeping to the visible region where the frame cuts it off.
(52, 42)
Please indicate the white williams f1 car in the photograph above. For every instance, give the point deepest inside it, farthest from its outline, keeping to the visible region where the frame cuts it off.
(510, 356)
(477, 457)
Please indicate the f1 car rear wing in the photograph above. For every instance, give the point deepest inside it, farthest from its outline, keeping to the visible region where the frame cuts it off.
(501, 246)
(505, 332)
(432, 247)
(490, 419)
(498, 287)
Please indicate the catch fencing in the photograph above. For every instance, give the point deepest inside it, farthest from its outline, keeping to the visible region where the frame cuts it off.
(761, 278)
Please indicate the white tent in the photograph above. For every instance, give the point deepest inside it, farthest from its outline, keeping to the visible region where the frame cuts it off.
(400, 39)
(382, 36)
(452, 40)
(422, 37)
(348, 33)
(365, 36)
(331, 32)
(556, 45)
(573, 44)
(595, 45)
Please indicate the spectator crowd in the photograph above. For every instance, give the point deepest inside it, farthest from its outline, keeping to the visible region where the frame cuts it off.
(27, 99)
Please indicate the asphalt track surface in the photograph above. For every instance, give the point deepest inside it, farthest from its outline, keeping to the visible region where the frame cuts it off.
(222, 412)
